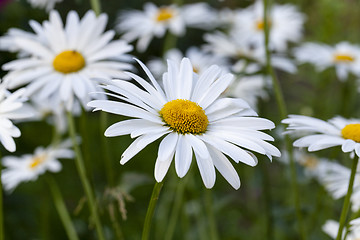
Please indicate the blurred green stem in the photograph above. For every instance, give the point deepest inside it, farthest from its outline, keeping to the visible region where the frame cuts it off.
(1, 206)
(150, 211)
(96, 6)
(61, 208)
(267, 202)
(209, 206)
(346, 205)
(106, 151)
(283, 113)
(85, 182)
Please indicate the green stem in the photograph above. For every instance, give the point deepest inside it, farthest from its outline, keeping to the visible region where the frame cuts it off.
(61, 208)
(283, 113)
(106, 151)
(267, 203)
(150, 211)
(1, 207)
(209, 206)
(346, 205)
(85, 182)
(96, 6)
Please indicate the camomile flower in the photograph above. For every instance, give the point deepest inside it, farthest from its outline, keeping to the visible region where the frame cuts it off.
(28, 167)
(12, 107)
(189, 116)
(45, 4)
(321, 134)
(285, 25)
(331, 228)
(61, 60)
(344, 56)
(155, 21)
(200, 61)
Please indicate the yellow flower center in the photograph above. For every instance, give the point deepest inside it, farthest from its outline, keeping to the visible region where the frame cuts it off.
(164, 14)
(195, 70)
(351, 131)
(343, 58)
(184, 116)
(310, 162)
(37, 160)
(260, 25)
(68, 62)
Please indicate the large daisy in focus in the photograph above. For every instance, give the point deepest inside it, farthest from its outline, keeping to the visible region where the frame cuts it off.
(285, 23)
(61, 60)
(344, 56)
(29, 166)
(192, 118)
(155, 21)
(11, 108)
(321, 134)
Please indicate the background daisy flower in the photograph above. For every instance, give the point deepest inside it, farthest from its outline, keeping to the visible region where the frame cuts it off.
(45, 4)
(331, 227)
(188, 112)
(67, 57)
(28, 167)
(344, 56)
(321, 134)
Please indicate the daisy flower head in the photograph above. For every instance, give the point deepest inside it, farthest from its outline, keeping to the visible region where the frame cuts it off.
(29, 167)
(45, 4)
(188, 113)
(325, 134)
(61, 60)
(344, 56)
(12, 107)
(285, 25)
(154, 21)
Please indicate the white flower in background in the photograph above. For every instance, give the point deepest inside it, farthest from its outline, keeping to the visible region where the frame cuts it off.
(193, 119)
(61, 60)
(12, 107)
(200, 61)
(155, 21)
(28, 167)
(321, 134)
(46, 4)
(285, 25)
(331, 228)
(344, 56)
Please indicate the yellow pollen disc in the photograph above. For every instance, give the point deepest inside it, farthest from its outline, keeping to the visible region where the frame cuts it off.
(195, 70)
(68, 62)
(37, 160)
(164, 14)
(260, 25)
(184, 116)
(351, 131)
(343, 58)
(310, 162)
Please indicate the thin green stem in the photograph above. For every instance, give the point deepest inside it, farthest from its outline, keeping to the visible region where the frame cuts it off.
(209, 206)
(106, 151)
(61, 208)
(283, 113)
(96, 6)
(150, 211)
(346, 205)
(267, 203)
(2, 234)
(85, 182)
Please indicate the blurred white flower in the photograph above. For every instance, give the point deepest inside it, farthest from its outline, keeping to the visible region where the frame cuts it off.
(155, 21)
(344, 56)
(61, 60)
(46, 4)
(193, 119)
(331, 228)
(12, 107)
(200, 61)
(321, 134)
(28, 167)
(285, 25)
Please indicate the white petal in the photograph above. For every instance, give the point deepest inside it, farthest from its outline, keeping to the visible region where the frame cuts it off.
(167, 147)
(183, 156)
(162, 167)
(207, 170)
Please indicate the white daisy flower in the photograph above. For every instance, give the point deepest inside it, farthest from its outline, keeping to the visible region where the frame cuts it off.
(62, 59)
(45, 4)
(28, 167)
(285, 22)
(12, 107)
(344, 56)
(321, 134)
(200, 61)
(155, 21)
(192, 117)
(331, 228)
